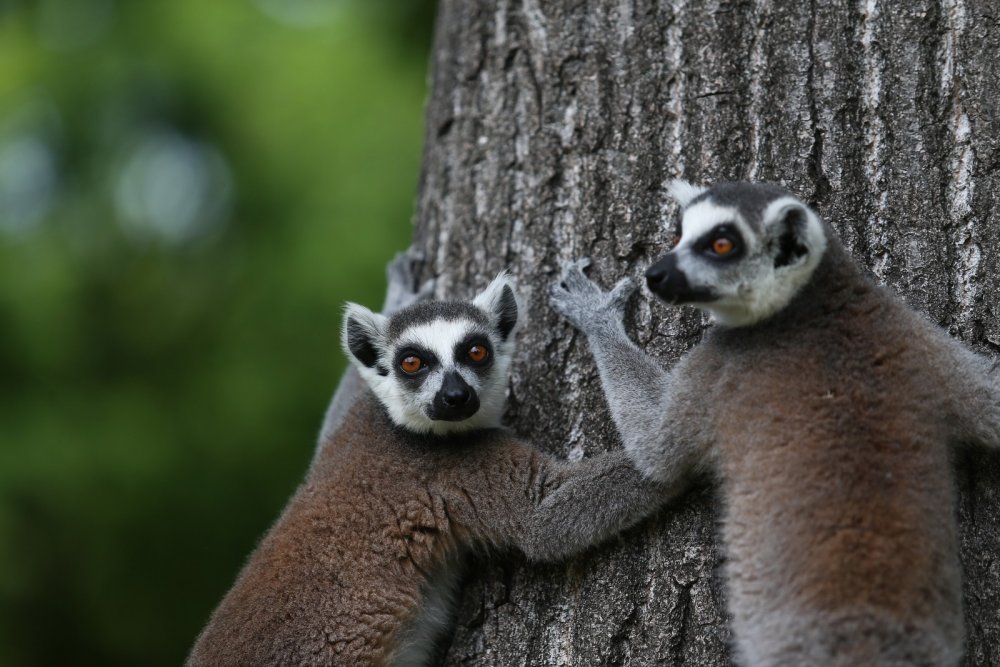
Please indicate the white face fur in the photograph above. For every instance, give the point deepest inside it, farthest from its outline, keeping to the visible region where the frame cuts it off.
(438, 367)
(741, 271)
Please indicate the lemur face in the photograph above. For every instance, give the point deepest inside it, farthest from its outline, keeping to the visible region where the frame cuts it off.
(438, 366)
(742, 251)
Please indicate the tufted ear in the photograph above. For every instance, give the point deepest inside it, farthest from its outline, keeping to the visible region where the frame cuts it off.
(683, 192)
(500, 304)
(796, 230)
(362, 334)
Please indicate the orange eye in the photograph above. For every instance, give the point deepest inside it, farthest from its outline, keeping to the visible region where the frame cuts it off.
(675, 240)
(722, 246)
(477, 353)
(411, 364)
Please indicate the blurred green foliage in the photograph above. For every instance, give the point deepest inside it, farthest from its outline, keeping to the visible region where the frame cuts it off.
(189, 191)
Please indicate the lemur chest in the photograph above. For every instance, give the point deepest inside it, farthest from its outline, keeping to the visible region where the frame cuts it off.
(392, 551)
(396, 515)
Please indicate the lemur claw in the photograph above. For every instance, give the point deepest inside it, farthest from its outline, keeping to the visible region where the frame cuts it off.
(622, 292)
(572, 274)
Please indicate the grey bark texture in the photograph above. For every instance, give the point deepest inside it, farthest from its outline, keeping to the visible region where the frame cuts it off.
(551, 129)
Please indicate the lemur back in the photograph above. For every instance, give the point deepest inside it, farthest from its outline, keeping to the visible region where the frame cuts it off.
(363, 563)
(827, 412)
(839, 504)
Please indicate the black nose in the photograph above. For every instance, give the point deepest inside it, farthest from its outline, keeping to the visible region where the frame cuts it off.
(659, 274)
(669, 282)
(455, 396)
(455, 400)
(656, 276)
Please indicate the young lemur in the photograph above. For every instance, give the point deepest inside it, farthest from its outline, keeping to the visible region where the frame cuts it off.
(362, 565)
(825, 408)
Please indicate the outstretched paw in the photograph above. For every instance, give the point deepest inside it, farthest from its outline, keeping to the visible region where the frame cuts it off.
(577, 298)
(402, 273)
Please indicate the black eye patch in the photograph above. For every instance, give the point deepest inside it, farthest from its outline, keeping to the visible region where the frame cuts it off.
(722, 244)
(428, 361)
(463, 355)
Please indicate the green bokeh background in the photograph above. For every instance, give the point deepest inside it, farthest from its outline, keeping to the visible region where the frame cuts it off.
(189, 191)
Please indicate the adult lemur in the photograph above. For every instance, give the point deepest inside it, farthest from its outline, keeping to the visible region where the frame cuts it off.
(826, 410)
(361, 566)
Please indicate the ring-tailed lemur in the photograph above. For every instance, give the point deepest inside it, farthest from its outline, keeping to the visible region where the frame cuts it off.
(826, 409)
(362, 566)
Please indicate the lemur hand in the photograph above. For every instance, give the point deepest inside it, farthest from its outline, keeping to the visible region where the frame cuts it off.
(584, 304)
(402, 273)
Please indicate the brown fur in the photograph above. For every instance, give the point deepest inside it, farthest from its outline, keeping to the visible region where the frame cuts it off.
(342, 576)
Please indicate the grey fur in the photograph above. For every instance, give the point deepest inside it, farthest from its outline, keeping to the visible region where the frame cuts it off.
(750, 198)
(363, 565)
(828, 426)
(442, 311)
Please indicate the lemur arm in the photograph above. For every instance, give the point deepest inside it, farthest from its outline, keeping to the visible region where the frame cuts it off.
(575, 506)
(638, 391)
(402, 291)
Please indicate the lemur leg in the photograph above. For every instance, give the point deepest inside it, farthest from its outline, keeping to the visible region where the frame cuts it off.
(402, 291)
(637, 390)
(578, 505)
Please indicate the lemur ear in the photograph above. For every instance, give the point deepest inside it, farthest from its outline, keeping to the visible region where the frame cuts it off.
(500, 303)
(794, 228)
(683, 192)
(362, 334)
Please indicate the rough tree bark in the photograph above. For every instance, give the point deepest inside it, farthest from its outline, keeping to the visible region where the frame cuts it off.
(551, 128)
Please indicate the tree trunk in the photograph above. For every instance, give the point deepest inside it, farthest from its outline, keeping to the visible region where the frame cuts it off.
(551, 129)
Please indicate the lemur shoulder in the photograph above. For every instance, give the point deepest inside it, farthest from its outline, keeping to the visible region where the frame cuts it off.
(827, 411)
(362, 566)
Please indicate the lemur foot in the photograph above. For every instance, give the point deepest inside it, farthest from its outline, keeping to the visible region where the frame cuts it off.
(402, 273)
(577, 298)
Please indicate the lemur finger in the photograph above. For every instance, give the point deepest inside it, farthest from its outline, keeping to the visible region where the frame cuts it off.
(557, 292)
(573, 277)
(574, 265)
(559, 299)
(622, 291)
(566, 267)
